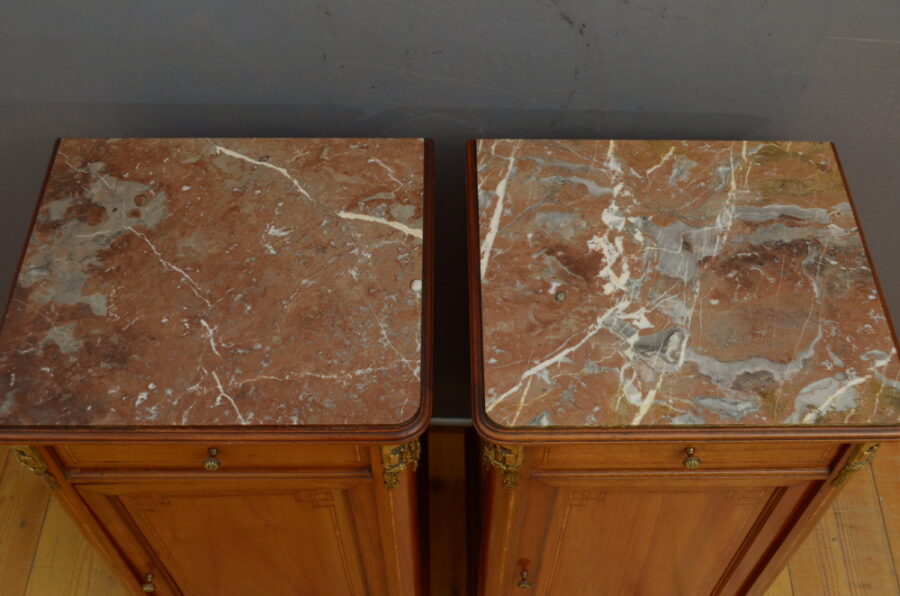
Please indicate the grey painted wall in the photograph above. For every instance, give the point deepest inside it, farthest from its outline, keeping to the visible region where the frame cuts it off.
(452, 70)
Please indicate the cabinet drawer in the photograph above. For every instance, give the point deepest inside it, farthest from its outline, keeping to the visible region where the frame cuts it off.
(231, 456)
(750, 455)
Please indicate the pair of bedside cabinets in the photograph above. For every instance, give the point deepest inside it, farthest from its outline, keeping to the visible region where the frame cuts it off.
(218, 354)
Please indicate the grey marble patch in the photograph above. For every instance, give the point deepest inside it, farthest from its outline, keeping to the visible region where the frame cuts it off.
(559, 224)
(542, 419)
(688, 419)
(8, 402)
(64, 264)
(57, 209)
(758, 214)
(592, 187)
(665, 343)
(681, 247)
(402, 212)
(681, 170)
(821, 396)
(735, 409)
(781, 233)
(64, 337)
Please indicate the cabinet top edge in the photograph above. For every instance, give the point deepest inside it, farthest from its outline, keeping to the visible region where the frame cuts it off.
(720, 286)
(267, 284)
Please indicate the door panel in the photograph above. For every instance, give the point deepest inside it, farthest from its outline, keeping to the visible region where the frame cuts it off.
(226, 537)
(617, 537)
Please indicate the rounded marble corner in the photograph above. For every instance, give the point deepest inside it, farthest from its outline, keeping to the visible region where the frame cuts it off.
(492, 430)
(413, 427)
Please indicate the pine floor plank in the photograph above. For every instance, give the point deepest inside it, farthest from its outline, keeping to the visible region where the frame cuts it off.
(887, 481)
(782, 585)
(817, 567)
(66, 564)
(847, 553)
(23, 504)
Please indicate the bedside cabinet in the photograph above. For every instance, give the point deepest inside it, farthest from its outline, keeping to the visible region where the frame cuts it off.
(218, 356)
(679, 356)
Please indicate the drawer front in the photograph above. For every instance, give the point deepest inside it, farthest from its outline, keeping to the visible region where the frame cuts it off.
(230, 456)
(750, 455)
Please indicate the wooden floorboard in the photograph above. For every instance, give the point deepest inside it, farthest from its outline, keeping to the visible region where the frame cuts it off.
(887, 484)
(782, 585)
(848, 552)
(852, 551)
(66, 564)
(23, 504)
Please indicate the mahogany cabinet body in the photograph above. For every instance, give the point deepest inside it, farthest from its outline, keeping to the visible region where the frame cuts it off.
(631, 518)
(301, 518)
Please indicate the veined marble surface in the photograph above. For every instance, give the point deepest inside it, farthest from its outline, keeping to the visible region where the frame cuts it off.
(646, 283)
(172, 282)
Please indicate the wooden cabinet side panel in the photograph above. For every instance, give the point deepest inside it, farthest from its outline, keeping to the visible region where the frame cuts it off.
(796, 529)
(92, 528)
(398, 523)
(503, 521)
(137, 554)
(771, 529)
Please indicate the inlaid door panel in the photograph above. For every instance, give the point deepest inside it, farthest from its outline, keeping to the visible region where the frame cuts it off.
(248, 537)
(640, 537)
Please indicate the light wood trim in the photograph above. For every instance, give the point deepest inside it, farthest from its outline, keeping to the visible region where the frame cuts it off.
(398, 522)
(798, 529)
(92, 530)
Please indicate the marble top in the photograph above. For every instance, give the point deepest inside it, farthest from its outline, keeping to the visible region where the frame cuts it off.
(186, 282)
(660, 283)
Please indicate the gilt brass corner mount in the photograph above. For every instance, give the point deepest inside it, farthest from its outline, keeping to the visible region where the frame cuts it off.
(506, 459)
(395, 458)
(863, 456)
(31, 459)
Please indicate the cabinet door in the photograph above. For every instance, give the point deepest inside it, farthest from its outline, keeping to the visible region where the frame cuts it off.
(227, 536)
(662, 535)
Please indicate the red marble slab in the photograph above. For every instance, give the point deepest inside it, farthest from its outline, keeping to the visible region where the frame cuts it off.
(199, 282)
(686, 283)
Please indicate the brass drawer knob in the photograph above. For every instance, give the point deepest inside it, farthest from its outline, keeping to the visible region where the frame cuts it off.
(523, 581)
(691, 462)
(148, 586)
(212, 463)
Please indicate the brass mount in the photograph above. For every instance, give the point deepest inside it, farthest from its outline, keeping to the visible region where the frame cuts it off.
(506, 459)
(31, 459)
(395, 459)
(863, 456)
